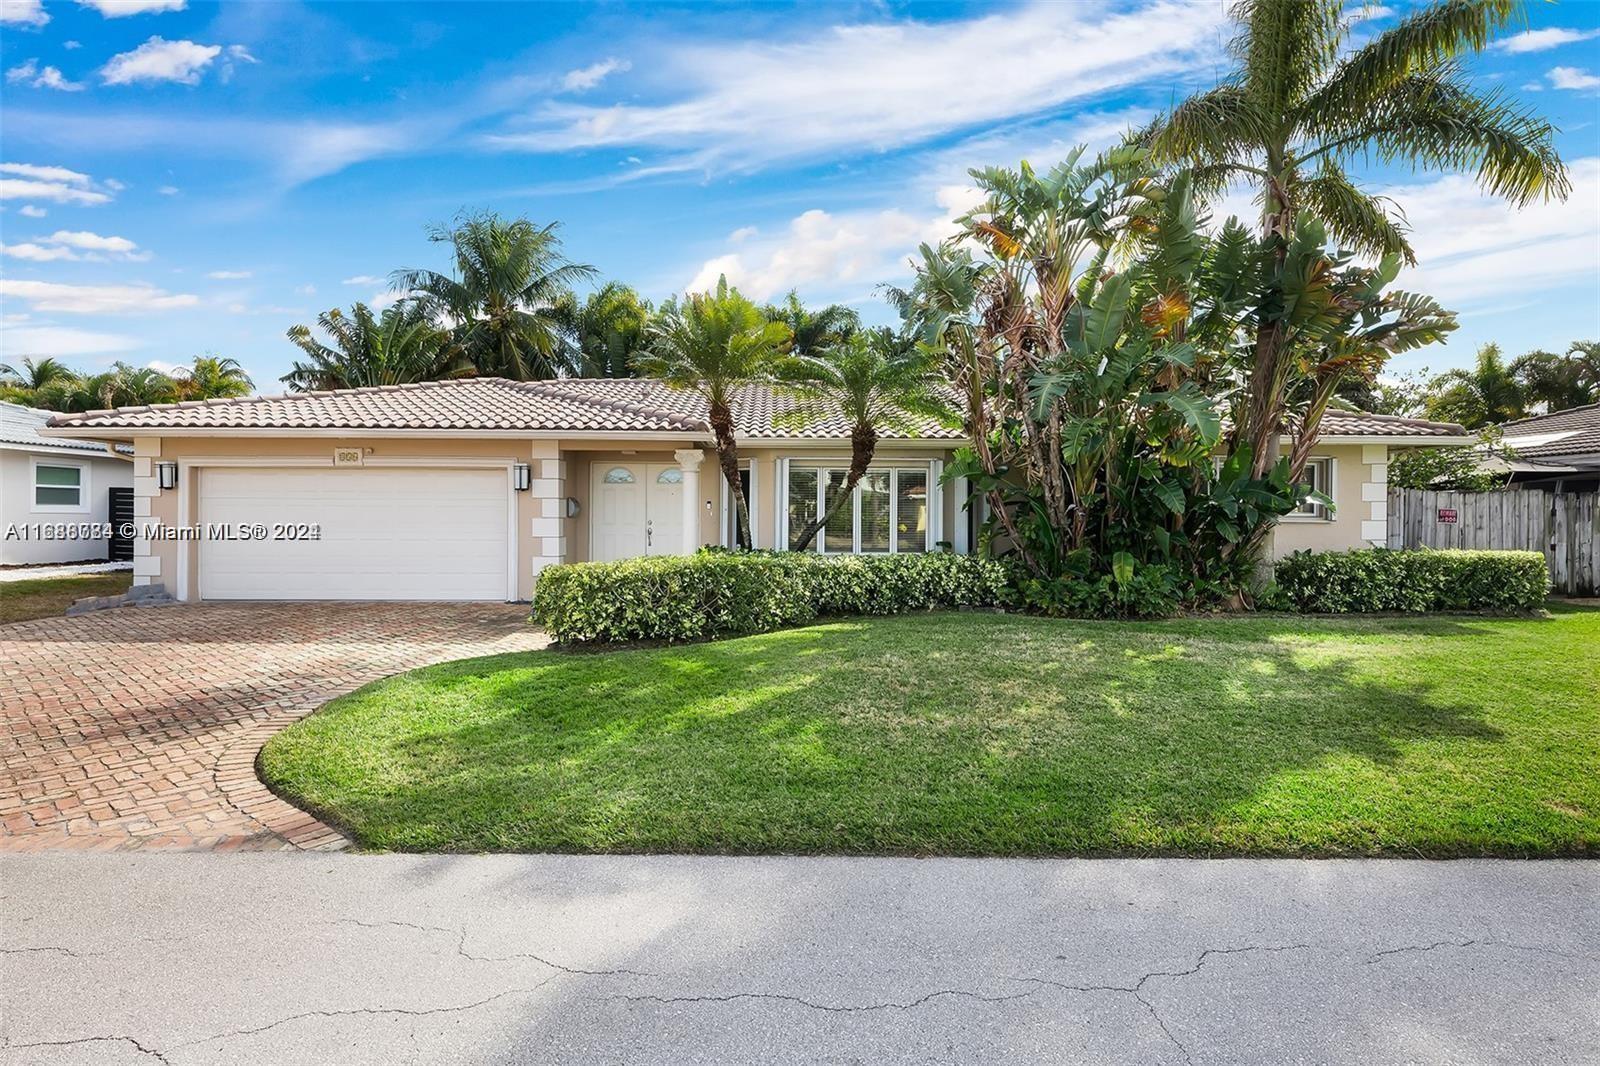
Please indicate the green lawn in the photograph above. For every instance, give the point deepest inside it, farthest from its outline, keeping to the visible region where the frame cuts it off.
(984, 734)
(47, 597)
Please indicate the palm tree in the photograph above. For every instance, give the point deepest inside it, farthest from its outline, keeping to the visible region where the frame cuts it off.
(213, 377)
(1300, 106)
(1561, 381)
(402, 346)
(1488, 394)
(34, 374)
(814, 330)
(878, 381)
(509, 278)
(712, 344)
(606, 330)
(121, 386)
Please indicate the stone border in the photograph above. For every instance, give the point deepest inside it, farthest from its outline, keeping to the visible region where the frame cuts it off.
(236, 778)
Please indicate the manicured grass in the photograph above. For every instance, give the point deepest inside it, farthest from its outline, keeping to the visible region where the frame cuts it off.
(983, 734)
(46, 597)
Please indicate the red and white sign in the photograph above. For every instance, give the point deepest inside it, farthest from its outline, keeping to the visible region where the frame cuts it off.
(1447, 515)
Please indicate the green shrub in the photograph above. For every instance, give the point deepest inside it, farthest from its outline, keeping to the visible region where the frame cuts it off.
(721, 593)
(1378, 579)
(1148, 591)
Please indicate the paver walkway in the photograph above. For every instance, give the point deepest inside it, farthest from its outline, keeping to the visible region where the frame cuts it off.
(139, 728)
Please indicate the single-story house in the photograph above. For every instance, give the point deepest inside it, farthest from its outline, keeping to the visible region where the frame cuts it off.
(1560, 450)
(54, 492)
(466, 489)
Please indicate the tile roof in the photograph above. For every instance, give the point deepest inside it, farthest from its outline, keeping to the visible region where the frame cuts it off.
(1365, 424)
(617, 405)
(1575, 431)
(21, 425)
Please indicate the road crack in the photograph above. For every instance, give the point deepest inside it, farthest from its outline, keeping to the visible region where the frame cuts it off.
(830, 1008)
(137, 1046)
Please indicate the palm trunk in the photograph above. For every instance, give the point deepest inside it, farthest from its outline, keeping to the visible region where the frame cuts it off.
(863, 444)
(728, 460)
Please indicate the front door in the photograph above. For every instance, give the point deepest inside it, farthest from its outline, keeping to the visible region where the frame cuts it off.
(637, 510)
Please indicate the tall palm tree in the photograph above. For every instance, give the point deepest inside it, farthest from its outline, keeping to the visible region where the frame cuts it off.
(712, 344)
(213, 377)
(814, 330)
(402, 346)
(1301, 105)
(1486, 395)
(121, 386)
(878, 381)
(509, 278)
(606, 330)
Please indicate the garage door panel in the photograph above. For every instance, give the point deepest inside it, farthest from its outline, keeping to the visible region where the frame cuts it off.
(386, 533)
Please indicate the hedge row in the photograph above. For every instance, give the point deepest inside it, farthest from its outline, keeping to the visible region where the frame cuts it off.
(718, 594)
(1378, 579)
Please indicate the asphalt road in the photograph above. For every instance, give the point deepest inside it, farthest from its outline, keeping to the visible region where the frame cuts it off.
(200, 958)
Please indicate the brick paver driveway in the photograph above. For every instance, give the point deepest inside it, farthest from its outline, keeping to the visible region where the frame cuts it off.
(139, 728)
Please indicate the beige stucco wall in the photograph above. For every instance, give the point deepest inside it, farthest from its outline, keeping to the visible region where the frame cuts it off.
(1360, 496)
(17, 507)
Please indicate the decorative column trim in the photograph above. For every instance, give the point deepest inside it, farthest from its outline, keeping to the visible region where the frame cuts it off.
(689, 460)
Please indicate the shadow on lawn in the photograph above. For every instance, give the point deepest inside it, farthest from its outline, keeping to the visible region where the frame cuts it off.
(955, 734)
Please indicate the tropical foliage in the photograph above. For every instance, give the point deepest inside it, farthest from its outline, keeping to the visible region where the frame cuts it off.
(605, 331)
(714, 343)
(1487, 394)
(875, 381)
(50, 385)
(502, 301)
(402, 345)
(1303, 102)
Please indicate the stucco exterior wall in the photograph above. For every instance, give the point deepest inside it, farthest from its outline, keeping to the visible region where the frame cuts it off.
(17, 506)
(1360, 496)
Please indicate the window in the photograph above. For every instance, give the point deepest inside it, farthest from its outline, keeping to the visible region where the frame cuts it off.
(59, 487)
(802, 503)
(670, 476)
(619, 475)
(888, 512)
(1318, 477)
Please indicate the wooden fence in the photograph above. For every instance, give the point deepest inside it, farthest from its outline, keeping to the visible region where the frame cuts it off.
(1563, 525)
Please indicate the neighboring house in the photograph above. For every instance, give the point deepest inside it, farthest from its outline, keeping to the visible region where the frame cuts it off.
(48, 481)
(1556, 451)
(466, 489)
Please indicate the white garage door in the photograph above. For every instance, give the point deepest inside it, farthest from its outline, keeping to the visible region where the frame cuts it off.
(386, 534)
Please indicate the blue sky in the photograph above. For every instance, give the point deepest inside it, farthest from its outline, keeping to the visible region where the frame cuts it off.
(179, 178)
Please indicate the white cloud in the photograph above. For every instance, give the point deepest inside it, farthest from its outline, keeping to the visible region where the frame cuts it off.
(37, 253)
(23, 13)
(1573, 78)
(30, 170)
(388, 299)
(93, 242)
(878, 86)
(29, 73)
(229, 275)
(853, 249)
(93, 299)
(54, 191)
(362, 279)
(30, 211)
(1474, 248)
(742, 234)
(71, 46)
(159, 59)
(169, 190)
(586, 78)
(305, 290)
(36, 341)
(1542, 40)
(116, 9)
(114, 185)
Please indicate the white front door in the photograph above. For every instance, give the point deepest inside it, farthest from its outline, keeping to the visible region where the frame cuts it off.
(638, 510)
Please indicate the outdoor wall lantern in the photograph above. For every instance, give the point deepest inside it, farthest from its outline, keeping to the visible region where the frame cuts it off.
(521, 477)
(572, 507)
(167, 474)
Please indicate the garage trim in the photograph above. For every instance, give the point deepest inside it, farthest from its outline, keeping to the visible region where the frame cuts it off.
(186, 501)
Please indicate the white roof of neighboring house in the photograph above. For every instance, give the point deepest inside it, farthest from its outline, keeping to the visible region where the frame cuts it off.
(609, 406)
(19, 428)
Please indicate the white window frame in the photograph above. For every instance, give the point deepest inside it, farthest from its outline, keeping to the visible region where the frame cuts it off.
(1311, 511)
(85, 471)
(932, 468)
